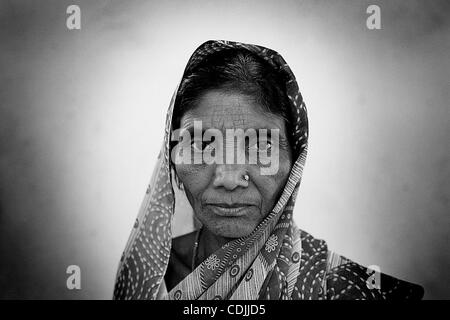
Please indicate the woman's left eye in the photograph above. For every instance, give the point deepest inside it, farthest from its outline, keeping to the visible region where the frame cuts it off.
(261, 146)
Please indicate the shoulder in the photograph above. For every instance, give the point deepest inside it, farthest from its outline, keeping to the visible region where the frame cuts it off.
(342, 278)
(346, 279)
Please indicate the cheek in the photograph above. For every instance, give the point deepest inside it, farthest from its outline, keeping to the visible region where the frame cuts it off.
(271, 186)
(195, 178)
(285, 169)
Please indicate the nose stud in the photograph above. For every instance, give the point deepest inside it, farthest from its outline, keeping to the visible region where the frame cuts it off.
(246, 177)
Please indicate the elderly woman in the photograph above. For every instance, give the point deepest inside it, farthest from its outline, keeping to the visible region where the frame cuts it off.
(243, 242)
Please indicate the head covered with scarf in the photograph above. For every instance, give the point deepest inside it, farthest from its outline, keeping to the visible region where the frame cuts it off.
(275, 260)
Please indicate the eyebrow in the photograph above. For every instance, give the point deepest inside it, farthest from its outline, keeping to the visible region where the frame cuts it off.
(283, 141)
(190, 129)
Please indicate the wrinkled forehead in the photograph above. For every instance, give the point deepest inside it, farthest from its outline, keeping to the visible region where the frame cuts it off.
(298, 114)
(218, 110)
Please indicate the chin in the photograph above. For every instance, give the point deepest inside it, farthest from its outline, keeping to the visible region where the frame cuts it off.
(232, 230)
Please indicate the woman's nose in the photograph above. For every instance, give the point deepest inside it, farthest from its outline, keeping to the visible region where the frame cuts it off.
(230, 176)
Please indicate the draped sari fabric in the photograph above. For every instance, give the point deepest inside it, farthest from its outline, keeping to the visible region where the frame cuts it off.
(276, 261)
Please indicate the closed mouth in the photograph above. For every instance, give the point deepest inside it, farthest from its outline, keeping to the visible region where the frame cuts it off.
(229, 210)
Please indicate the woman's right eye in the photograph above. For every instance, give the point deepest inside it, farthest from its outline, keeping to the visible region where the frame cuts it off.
(197, 146)
(200, 146)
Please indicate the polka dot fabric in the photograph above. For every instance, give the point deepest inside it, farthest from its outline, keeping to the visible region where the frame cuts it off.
(276, 261)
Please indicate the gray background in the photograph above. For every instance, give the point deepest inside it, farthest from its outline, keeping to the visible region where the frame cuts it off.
(82, 114)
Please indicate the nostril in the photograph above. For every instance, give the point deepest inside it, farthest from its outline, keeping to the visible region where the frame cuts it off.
(224, 179)
(229, 179)
(219, 178)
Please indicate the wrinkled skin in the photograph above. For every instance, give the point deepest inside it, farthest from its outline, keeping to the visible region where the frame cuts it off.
(206, 185)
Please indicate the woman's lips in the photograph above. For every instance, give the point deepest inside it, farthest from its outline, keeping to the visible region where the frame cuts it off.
(225, 210)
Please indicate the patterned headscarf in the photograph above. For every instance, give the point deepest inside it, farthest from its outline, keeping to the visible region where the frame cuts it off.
(265, 264)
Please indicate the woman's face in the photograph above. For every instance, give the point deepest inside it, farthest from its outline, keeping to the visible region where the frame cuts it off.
(223, 200)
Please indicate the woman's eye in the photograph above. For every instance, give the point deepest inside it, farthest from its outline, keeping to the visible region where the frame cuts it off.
(197, 145)
(267, 146)
(201, 146)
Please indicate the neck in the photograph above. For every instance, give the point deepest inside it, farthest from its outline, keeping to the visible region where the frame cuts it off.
(211, 242)
(208, 243)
